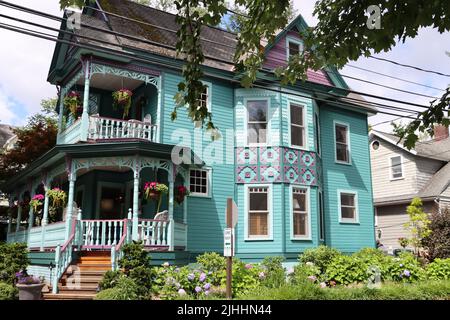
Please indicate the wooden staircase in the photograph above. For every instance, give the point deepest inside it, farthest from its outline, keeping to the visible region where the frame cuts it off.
(81, 279)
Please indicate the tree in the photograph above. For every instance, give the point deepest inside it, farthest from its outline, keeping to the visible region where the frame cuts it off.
(346, 31)
(34, 139)
(437, 242)
(418, 224)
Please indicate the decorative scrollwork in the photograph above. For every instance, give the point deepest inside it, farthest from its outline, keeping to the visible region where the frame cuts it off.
(147, 78)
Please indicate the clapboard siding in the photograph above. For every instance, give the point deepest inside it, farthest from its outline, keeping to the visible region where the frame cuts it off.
(355, 177)
(205, 216)
(383, 186)
(391, 220)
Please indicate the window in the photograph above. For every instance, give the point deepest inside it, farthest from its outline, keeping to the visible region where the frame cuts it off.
(199, 182)
(257, 121)
(294, 47)
(258, 212)
(396, 168)
(321, 218)
(375, 145)
(300, 213)
(297, 125)
(348, 207)
(317, 133)
(342, 143)
(204, 98)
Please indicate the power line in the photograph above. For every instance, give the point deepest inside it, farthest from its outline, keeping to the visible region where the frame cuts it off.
(410, 66)
(213, 58)
(392, 77)
(146, 60)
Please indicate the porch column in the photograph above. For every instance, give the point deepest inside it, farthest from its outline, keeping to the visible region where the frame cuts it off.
(31, 214)
(85, 115)
(19, 215)
(171, 233)
(44, 218)
(135, 221)
(69, 214)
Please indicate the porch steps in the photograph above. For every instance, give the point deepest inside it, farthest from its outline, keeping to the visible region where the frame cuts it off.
(81, 279)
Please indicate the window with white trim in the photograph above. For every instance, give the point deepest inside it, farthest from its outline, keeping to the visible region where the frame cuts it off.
(348, 209)
(258, 212)
(199, 182)
(297, 125)
(257, 121)
(204, 98)
(341, 143)
(396, 167)
(294, 47)
(300, 213)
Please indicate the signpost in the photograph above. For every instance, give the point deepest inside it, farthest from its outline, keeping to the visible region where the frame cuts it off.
(231, 218)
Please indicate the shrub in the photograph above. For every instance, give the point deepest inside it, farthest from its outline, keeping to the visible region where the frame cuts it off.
(246, 277)
(438, 242)
(439, 269)
(109, 279)
(7, 291)
(275, 273)
(212, 261)
(13, 258)
(346, 269)
(371, 257)
(320, 256)
(125, 289)
(405, 268)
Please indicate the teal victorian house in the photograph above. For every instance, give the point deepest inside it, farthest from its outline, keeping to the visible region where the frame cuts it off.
(295, 159)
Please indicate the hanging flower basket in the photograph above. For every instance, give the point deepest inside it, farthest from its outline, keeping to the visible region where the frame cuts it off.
(57, 197)
(180, 193)
(73, 102)
(122, 100)
(36, 202)
(154, 191)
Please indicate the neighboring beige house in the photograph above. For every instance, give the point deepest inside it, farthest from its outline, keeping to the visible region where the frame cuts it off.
(399, 175)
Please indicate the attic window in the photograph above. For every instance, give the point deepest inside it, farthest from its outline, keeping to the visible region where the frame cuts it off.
(294, 47)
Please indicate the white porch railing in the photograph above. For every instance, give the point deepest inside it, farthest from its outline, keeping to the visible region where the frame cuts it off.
(109, 128)
(100, 234)
(153, 232)
(71, 134)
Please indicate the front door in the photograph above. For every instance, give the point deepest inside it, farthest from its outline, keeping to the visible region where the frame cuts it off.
(111, 204)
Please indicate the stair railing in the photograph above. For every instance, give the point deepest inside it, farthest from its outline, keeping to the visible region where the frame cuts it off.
(116, 251)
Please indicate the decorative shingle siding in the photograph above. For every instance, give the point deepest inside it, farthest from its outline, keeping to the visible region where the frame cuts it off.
(206, 216)
(276, 57)
(355, 177)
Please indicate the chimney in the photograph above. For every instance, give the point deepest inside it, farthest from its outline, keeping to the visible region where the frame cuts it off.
(440, 132)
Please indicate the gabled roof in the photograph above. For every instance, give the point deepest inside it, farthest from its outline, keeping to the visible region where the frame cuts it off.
(432, 149)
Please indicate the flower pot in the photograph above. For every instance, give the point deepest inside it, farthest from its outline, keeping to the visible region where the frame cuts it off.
(30, 291)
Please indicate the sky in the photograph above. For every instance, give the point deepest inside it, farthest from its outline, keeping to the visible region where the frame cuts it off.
(25, 61)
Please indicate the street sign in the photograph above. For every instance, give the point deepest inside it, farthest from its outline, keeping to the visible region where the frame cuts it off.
(234, 214)
(228, 242)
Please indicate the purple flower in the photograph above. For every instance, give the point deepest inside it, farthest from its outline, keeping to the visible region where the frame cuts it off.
(290, 271)
(198, 289)
(312, 278)
(191, 277)
(207, 286)
(166, 264)
(248, 266)
(262, 275)
(181, 292)
(202, 277)
(407, 273)
(206, 292)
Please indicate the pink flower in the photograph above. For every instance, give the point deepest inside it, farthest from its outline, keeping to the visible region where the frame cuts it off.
(323, 285)
(248, 266)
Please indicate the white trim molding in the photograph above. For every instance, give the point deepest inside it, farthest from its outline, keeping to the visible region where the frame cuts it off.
(304, 106)
(344, 124)
(208, 193)
(346, 220)
(268, 119)
(296, 41)
(391, 176)
(269, 237)
(308, 210)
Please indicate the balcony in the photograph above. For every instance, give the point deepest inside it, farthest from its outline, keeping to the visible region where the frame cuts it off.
(97, 117)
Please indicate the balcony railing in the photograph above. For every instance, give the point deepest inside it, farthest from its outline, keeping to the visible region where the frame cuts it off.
(101, 128)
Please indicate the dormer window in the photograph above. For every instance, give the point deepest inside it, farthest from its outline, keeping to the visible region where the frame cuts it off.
(294, 47)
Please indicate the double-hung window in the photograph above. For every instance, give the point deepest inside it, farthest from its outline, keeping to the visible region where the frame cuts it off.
(342, 144)
(294, 47)
(199, 182)
(348, 207)
(300, 213)
(258, 212)
(257, 121)
(297, 125)
(396, 167)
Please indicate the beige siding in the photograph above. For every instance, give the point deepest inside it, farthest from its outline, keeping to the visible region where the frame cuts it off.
(390, 220)
(383, 186)
(426, 168)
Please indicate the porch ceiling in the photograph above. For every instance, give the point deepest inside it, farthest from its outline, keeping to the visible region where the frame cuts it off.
(111, 82)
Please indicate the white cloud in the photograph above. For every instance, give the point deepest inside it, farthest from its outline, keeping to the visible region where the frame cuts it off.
(6, 109)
